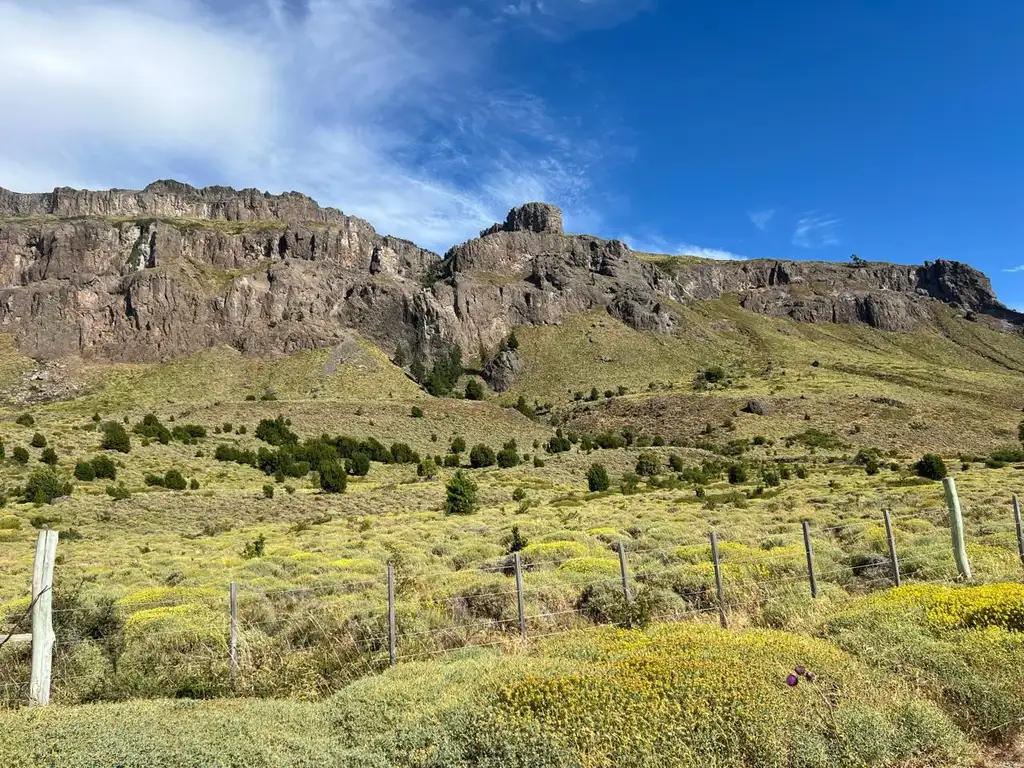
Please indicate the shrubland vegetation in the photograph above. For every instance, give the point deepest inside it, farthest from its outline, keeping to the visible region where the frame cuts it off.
(172, 481)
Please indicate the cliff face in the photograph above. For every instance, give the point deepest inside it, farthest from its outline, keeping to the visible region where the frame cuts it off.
(169, 270)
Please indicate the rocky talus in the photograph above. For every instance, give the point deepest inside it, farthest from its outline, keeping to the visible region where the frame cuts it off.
(166, 271)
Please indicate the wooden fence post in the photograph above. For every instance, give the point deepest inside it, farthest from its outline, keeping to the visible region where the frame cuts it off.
(1020, 529)
(894, 560)
(519, 595)
(810, 558)
(43, 637)
(956, 525)
(719, 589)
(233, 647)
(625, 573)
(391, 613)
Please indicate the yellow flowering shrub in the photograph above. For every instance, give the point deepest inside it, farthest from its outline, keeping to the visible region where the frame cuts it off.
(988, 605)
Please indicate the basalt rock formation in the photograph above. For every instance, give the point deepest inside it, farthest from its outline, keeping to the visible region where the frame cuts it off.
(169, 270)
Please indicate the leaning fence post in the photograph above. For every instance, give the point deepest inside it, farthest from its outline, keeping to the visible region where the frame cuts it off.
(1020, 530)
(894, 560)
(233, 606)
(810, 558)
(519, 595)
(391, 612)
(956, 525)
(43, 637)
(719, 590)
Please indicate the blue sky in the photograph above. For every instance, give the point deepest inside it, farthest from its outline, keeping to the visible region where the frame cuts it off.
(792, 130)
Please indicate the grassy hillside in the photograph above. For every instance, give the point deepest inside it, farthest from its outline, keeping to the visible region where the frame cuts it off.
(142, 581)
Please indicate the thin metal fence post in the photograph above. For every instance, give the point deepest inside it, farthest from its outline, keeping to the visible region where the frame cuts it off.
(810, 558)
(391, 614)
(233, 605)
(719, 589)
(956, 525)
(624, 572)
(1020, 529)
(894, 560)
(519, 595)
(43, 637)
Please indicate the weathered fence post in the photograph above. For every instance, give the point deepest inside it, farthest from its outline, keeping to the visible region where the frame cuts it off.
(43, 637)
(391, 613)
(233, 642)
(624, 572)
(810, 558)
(894, 560)
(519, 595)
(1020, 530)
(719, 589)
(956, 525)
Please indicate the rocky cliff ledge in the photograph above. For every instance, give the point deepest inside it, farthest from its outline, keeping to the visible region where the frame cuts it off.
(169, 270)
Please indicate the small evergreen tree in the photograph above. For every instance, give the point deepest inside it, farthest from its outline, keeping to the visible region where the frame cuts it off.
(104, 467)
(597, 478)
(84, 471)
(174, 480)
(931, 466)
(20, 454)
(115, 438)
(513, 342)
(737, 474)
(517, 542)
(416, 412)
(460, 495)
(508, 456)
(481, 456)
(458, 446)
(333, 478)
(25, 420)
(45, 485)
(358, 465)
(427, 469)
(474, 390)
(38, 440)
(648, 464)
(49, 456)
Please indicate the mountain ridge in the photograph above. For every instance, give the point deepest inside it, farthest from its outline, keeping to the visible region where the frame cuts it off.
(163, 272)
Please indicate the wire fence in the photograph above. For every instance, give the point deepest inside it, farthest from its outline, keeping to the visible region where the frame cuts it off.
(218, 649)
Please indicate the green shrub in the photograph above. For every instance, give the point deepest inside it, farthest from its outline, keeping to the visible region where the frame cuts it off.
(255, 548)
(629, 483)
(49, 456)
(45, 485)
(597, 478)
(115, 438)
(675, 462)
(333, 478)
(358, 465)
(460, 495)
(268, 490)
(25, 420)
(153, 428)
(20, 454)
(648, 465)
(416, 412)
(154, 480)
(517, 542)
(559, 443)
(508, 456)
(38, 441)
(193, 484)
(275, 432)
(474, 390)
(104, 467)
(174, 480)
(737, 474)
(458, 446)
(427, 469)
(931, 466)
(84, 471)
(401, 453)
(118, 492)
(451, 460)
(481, 456)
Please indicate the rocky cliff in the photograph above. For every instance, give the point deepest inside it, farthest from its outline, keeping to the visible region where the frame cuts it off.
(169, 270)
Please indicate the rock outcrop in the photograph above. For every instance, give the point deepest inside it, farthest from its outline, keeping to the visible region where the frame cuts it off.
(166, 271)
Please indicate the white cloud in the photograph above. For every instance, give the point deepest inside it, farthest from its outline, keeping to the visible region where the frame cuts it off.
(658, 244)
(1019, 268)
(760, 219)
(815, 231)
(366, 105)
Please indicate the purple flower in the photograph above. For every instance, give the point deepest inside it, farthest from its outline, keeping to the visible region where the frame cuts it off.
(810, 677)
(792, 680)
(800, 669)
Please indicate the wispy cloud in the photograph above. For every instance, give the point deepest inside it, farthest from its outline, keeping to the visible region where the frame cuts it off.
(814, 230)
(367, 105)
(562, 17)
(658, 244)
(1019, 268)
(760, 219)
